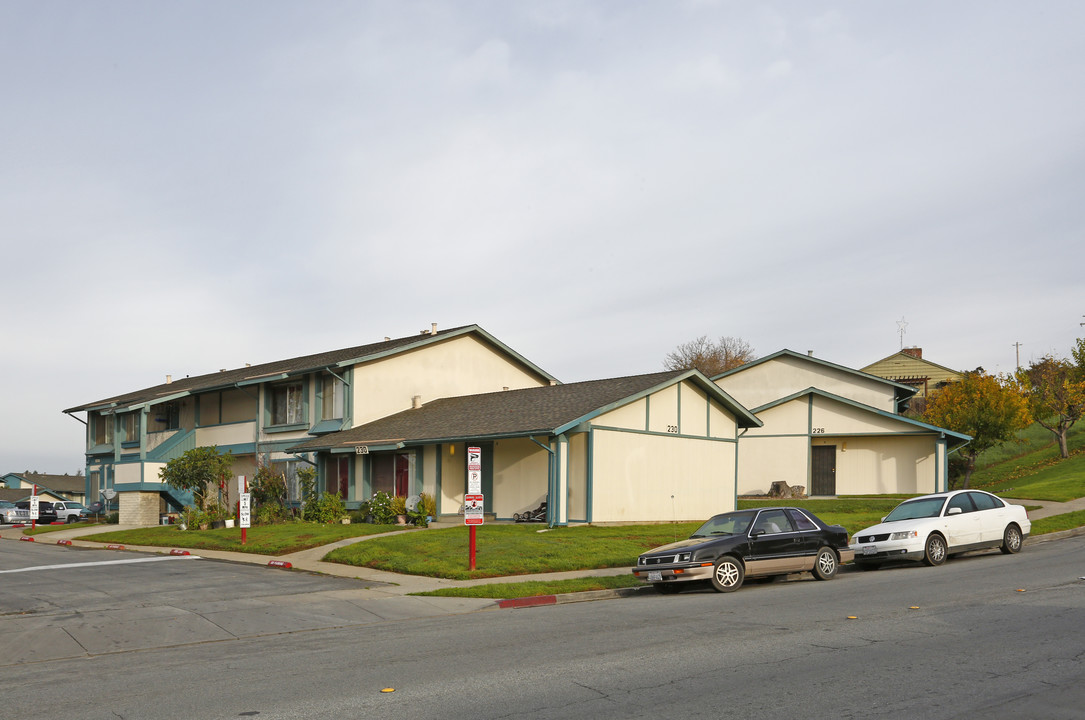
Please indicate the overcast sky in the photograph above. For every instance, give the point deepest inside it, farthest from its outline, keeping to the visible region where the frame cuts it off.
(192, 186)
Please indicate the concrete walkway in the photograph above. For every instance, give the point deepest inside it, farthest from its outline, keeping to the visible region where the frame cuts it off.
(1048, 508)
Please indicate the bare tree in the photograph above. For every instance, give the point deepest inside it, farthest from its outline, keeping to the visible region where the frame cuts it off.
(711, 358)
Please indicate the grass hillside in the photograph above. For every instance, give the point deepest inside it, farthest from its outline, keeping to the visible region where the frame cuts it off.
(1031, 467)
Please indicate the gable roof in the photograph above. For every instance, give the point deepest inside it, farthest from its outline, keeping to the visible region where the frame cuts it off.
(912, 360)
(56, 483)
(956, 439)
(550, 410)
(282, 369)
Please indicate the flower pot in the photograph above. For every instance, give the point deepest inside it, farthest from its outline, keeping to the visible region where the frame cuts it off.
(229, 522)
(401, 519)
(216, 524)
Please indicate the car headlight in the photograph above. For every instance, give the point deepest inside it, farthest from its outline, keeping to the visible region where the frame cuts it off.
(904, 535)
(682, 557)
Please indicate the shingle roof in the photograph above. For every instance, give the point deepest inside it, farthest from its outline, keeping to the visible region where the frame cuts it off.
(510, 413)
(293, 366)
(57, 483)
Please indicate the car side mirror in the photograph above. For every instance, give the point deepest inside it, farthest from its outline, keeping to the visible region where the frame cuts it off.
(758, 532)
(954, 511)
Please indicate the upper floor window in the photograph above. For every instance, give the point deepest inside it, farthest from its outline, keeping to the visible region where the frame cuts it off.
(286, 403)
(130, 426)
(101, 430)
(332, 393)
(166, 417)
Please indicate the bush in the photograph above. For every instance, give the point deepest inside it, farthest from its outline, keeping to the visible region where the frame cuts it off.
(399, 505)
(328, 508)
(380, 507)
(268, 488)
(271, 514)
(113, 518)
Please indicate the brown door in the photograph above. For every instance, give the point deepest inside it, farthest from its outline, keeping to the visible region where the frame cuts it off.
(823, 481)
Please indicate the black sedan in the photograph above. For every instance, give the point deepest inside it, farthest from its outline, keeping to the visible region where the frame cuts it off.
(748, 543)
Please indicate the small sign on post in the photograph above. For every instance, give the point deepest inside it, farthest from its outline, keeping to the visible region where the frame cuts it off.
(473, 510)
(244, 506)
(473, 501)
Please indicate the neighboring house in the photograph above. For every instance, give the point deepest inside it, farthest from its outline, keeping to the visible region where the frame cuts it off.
(256, 413)
(834, 430)
(908, 367)
(646, 448)
(53, 487)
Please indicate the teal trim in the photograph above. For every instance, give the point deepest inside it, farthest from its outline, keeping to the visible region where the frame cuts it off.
(559, 498)
(143, 433)
(589, 508)
(743, 417)
(438, 478)
(353, 450)
(647, 413)
(678, 421)
(293, 427)
(325, 426)
(664, 434)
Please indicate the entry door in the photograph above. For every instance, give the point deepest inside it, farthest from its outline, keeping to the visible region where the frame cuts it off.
(823, 481)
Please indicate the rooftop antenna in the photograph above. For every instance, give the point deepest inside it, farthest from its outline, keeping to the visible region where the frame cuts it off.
(902, 327)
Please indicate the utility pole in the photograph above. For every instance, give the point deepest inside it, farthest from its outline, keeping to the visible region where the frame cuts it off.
(1018, 346)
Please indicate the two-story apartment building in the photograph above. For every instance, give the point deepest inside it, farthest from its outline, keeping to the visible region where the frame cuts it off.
(256, 413)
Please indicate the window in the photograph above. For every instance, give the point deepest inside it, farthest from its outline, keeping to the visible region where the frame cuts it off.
(337, 475)
(101, 430)
(392, 473)
(961, 501)
(331, 397)
(130, 427)
(984, 501)
(772, 522)
(802, 522)
(286, 404)
(166, 417)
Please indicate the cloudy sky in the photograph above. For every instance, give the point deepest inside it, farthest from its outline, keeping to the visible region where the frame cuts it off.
(192, 186)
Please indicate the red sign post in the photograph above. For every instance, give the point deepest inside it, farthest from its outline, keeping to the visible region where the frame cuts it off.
(473, 501)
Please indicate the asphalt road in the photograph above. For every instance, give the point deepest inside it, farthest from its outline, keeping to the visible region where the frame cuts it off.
(985, 635)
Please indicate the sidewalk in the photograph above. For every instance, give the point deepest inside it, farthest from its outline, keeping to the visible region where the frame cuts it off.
(1048, 508)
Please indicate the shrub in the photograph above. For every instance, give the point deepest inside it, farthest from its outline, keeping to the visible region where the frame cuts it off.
(399, 505)
(268, 488)
(113, 518)
(380, 507)
(328, 508)
(271, 514)
(427, 504)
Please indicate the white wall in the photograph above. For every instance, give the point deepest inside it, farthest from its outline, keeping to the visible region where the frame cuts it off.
(786, 375)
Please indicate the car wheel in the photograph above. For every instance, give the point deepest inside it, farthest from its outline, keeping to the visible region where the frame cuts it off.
(825, 564)
(727, 574)
(1011, 539)
(667, 588)
(934, 552)
(70, 519)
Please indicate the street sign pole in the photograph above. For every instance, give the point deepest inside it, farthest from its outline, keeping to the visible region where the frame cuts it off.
(34, 507)
(473, 501)
(244, 507)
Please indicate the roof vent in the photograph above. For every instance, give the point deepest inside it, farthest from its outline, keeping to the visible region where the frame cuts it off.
(416, 402)
(169, 379)
(433, 328)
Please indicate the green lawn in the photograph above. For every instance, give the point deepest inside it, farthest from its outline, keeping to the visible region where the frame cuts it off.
(261, 540)
(509, 549)
(1033, 478)
(1058, 523)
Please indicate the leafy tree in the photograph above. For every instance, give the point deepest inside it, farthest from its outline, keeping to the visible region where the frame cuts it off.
(711, 358)
(988, 408)
(1055, 391)
(197, 471)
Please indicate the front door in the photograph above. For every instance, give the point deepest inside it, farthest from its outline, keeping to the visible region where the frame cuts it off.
(823, 479)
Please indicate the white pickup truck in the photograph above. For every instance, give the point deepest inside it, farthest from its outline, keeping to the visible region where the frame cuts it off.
(69, 511)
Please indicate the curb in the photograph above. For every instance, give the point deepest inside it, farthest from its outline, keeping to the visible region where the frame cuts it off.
(1060, 535)
(565, 598)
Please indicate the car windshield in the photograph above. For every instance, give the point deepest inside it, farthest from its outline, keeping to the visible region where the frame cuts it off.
(6, 504)
(726, 524)
(75, 506)
(921, 508)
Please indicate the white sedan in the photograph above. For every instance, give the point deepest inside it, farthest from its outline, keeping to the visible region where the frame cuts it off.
(932, 527)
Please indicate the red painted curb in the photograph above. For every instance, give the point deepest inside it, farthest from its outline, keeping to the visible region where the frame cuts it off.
(175, 551)
(19, 525)
(64, 542)
(27, 538)
(114, 547)
(528, 601)
(280, 563)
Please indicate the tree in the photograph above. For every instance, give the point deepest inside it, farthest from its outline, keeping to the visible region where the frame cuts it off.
(989, 409)
(1055, 391)
(711, 358)
(196, 471)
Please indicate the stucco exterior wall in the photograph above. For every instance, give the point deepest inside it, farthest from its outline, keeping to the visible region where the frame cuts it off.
(884, 464)
(765, 460)
(453, 478)
(786, 375)
(632, 416)
(520, 476)
(635, 476)
(233, 434)
(460, 366)
(832, 417)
